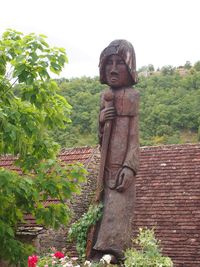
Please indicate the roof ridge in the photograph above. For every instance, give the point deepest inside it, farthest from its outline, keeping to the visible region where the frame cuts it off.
(77, 147)
(141, 147)
(170, 146)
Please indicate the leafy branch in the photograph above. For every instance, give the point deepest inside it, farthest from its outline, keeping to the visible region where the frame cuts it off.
(79, 230)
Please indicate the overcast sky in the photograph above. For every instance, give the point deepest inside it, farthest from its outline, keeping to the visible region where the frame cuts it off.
(163, 32)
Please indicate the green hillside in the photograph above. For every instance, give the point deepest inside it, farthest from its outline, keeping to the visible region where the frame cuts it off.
(169, 106)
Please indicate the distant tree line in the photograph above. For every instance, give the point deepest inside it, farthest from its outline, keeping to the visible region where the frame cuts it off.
(169, 106)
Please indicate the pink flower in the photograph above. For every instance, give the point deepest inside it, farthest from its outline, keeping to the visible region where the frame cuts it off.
(32, 260)
(59, 255)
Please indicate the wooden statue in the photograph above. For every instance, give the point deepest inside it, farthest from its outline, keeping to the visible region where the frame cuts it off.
(118, 133)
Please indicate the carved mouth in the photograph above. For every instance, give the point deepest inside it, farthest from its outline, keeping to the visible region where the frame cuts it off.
(114, 78)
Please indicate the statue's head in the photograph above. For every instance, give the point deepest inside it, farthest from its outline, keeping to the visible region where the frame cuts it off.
(124, 50)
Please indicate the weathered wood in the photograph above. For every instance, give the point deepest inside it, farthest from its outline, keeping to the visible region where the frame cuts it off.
(108, 97)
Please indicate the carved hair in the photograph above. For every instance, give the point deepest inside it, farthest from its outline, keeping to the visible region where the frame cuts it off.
(125, 50)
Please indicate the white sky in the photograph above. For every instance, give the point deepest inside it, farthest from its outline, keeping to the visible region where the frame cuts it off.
(163, 32)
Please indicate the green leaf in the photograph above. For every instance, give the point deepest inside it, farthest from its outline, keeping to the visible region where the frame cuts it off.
(19, 70)
(29, 108)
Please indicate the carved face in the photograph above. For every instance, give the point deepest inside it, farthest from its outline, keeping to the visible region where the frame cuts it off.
(116, 72)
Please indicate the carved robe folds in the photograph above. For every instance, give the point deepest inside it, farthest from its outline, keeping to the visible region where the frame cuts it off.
(114, 233)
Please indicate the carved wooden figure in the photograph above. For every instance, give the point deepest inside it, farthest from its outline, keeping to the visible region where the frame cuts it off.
(118, 132)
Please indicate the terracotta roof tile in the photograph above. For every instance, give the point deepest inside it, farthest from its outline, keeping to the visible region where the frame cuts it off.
(168, 197)
(82, 154)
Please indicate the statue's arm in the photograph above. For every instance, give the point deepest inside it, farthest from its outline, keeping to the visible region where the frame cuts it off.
(131, 162)
(132, 155)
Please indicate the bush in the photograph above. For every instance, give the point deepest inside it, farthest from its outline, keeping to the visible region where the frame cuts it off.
(149, 254)
(79, 230)
(53, 259)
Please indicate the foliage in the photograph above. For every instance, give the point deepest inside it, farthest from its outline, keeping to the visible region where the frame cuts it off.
(61, 259)
(149, 254)
(53, 259)
(79, 229)
(188, 65)
(168, 70)
(84, 95)
(169, 106)
(197, 66)
(147, 69)
(30, 110)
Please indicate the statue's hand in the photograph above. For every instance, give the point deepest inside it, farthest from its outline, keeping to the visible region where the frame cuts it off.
(107, 114)
(125, 179)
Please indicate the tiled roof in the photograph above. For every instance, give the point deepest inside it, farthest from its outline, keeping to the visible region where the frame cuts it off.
(168, 197)
(30, 220)
(7, 161)
(80, 154)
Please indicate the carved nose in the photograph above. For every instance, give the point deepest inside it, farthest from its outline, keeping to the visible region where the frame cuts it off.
(114, 69)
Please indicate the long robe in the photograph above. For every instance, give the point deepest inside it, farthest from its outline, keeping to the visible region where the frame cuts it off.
(114, 232)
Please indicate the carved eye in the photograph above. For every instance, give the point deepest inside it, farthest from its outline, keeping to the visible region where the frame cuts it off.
(121, 62)
(109, 62)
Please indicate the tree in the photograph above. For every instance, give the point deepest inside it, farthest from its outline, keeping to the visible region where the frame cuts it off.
(197, 66)
(188, 65)
(30, 109)
(151, 67)
(148, 68)
(169, 106)
(84, 95)
(167, 70)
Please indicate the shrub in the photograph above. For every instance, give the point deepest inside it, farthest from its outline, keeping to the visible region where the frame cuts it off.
(149, 254)
(80, 228)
